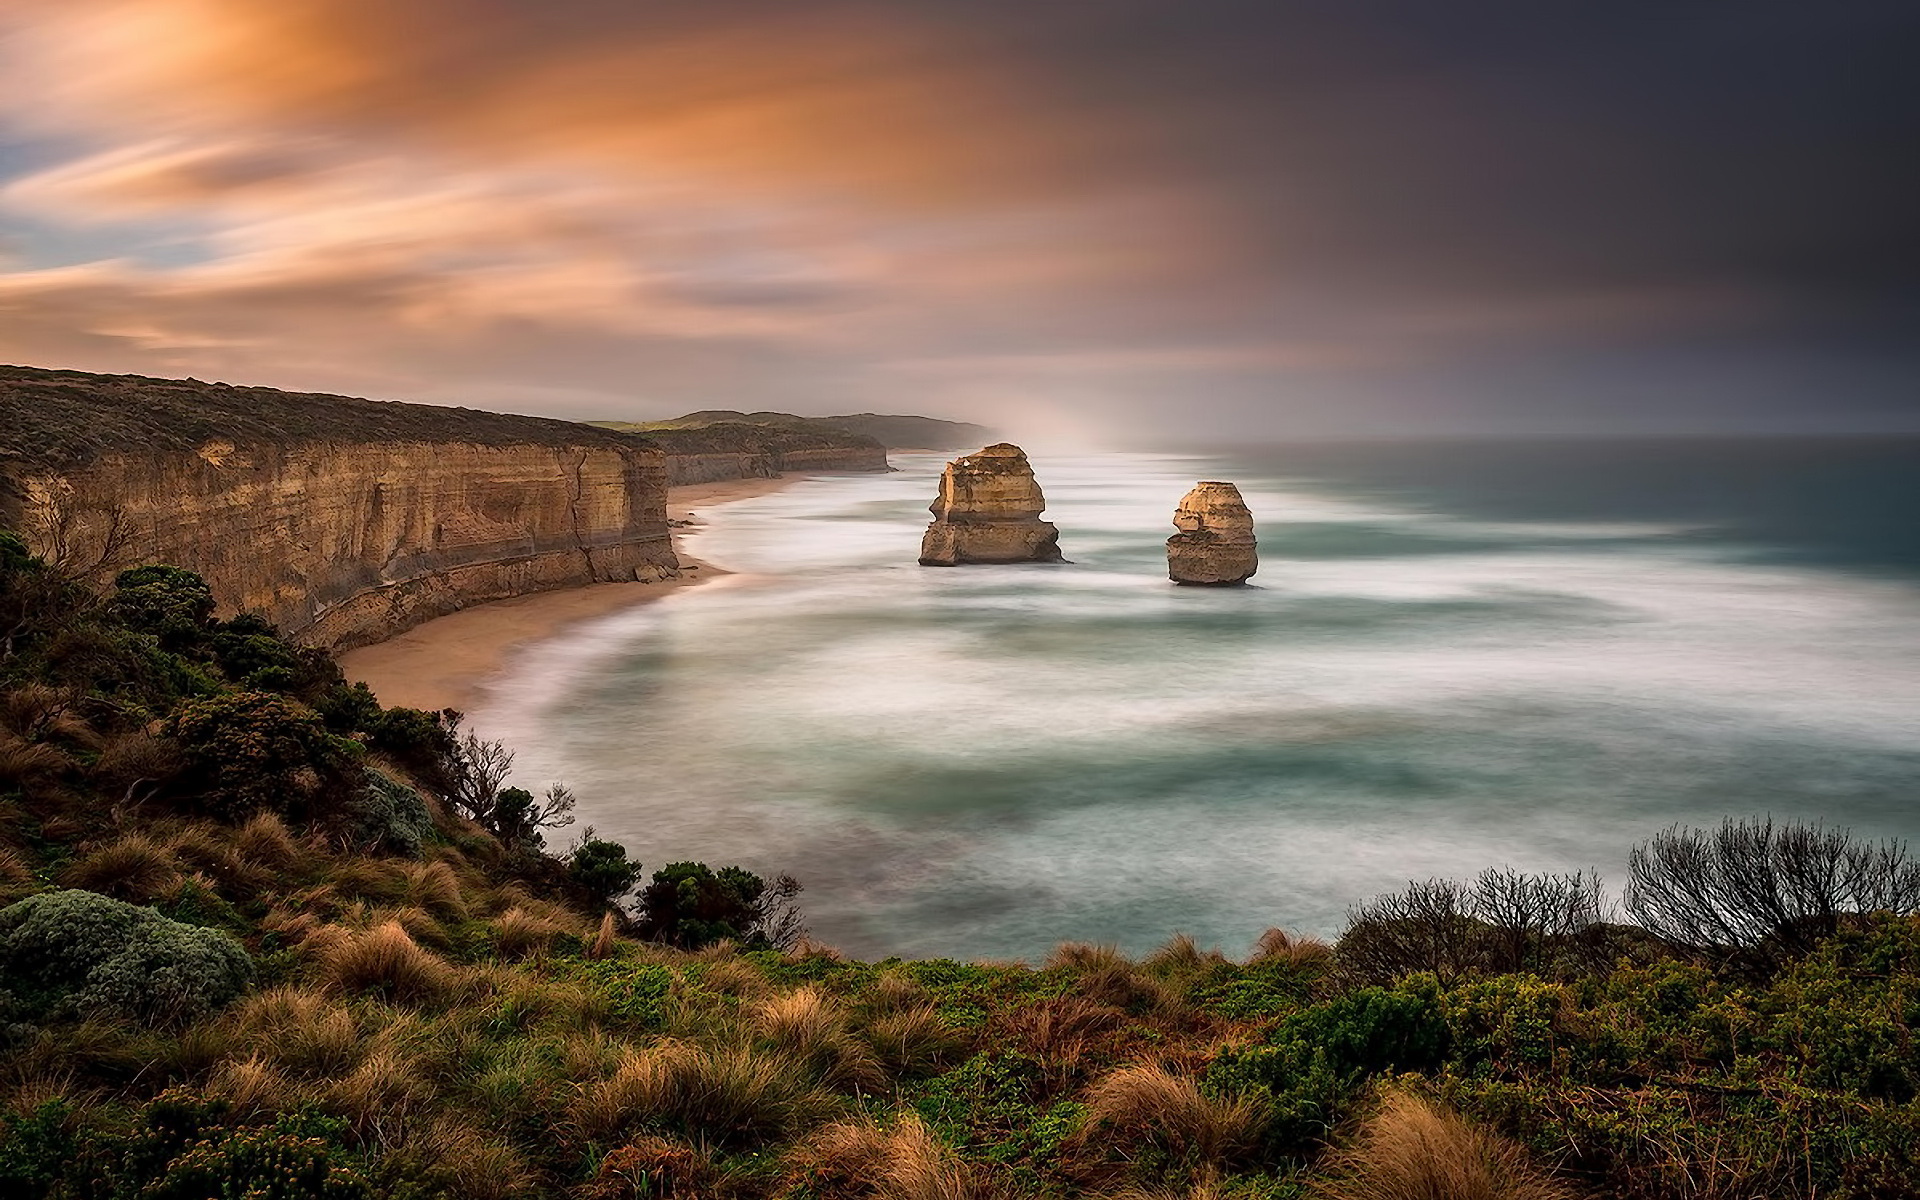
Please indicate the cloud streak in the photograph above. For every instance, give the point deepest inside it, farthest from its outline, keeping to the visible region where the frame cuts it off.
(1294, 222)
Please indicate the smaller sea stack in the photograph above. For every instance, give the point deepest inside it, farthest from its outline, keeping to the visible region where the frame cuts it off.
(1215, 544)
(989, 511)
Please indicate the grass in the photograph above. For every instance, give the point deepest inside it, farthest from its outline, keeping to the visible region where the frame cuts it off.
(134, 868)
(1413, 1149)
(722, 1095)
(388, 962)
(1147, 1104)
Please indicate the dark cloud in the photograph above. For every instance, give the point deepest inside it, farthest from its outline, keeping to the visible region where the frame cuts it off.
(1256, 216)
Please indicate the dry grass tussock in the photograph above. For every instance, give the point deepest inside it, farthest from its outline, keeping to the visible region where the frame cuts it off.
(1110, 977)
(377, 1098)
(914, 1040)
(418, 922)
(267, 843)
(654, 1166)
(26, 764)
(520, 933)
(1412, 1149)
(475, 1165)
(603, 939)
(733, 977)
(135, 868)
(1181, 953)
(306, 1032)
(435, 887)
(1147, 1104)
(894, 990)
(254, 1087)
(386, 960)
(901, 1160)
(1062, 1031)
(1295, 950)
(131, 763)
(727, 1095)
(810, 1027)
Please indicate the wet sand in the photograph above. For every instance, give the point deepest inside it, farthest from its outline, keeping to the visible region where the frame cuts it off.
(446, 662)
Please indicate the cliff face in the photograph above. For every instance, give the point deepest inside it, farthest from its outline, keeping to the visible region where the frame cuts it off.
(988, 511)
(341, 521)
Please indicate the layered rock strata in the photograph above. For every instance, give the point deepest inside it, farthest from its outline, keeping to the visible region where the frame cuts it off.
(342, 521)
(1215, 544)
(989, 511)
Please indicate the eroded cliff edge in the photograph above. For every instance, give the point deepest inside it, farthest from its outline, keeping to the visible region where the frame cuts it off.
(341, 520)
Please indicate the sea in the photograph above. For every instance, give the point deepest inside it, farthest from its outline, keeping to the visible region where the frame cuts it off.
(1455, 655)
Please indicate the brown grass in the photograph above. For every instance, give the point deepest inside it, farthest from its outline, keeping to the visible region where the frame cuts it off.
(474, 1164)
(306, 1032)
(135, 868)
(137, 759)
(602, 945)
(914, 1040)
(434, 887)
(897, 990)
(728, 1095)
(386, 960)
(901, 1160)
(1295, 950)
(1148, 1104)
(810, 1027)
(1062, 1031)
(377, 1097)
(26, 763)
(267, 843)
(1110, 977)
(654, 1166)
(1181, 953)
(1412, 1149)
(253, 1087)
(520, 934)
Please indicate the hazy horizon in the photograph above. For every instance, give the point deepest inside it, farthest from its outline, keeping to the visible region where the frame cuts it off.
(1113, 223)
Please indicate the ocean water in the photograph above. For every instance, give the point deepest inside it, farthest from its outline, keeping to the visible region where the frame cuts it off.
(1454, 656)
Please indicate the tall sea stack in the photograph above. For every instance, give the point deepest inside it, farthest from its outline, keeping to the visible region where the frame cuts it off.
(1215, 544)
(989, 512)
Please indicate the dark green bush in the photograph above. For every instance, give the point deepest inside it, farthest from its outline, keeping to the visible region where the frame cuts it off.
(689, 904)
(173, 605)
(76, 954)
(601, 870)
(254, 751)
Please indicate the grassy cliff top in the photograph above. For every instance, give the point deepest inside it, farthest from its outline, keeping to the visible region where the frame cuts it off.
(737, 437)
(67, 418)
(894, 431)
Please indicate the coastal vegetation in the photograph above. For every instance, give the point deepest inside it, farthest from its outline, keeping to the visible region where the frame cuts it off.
(261, 936)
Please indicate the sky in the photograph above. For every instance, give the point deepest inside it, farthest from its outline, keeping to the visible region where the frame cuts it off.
(1113, 218)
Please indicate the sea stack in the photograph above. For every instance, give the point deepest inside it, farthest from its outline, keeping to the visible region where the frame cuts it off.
(989, 512)
(1215, 543)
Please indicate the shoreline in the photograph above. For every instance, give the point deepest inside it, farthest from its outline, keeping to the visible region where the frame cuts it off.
(447, 662)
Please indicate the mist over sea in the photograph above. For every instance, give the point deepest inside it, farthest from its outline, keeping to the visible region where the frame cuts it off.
(1454, 656)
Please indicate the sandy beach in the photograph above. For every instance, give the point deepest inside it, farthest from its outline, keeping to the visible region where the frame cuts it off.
(445, 663)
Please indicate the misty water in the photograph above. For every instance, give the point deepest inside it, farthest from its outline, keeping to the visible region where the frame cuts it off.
(1452, 657)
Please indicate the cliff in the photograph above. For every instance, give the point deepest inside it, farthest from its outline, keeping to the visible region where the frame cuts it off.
(988, 511)
(341, 520)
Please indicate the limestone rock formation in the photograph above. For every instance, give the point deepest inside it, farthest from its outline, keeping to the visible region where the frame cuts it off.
(989, 512)
(1215, 544)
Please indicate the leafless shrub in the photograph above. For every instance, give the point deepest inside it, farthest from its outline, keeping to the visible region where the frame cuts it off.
(1505, 920)
(478, 769)
(1751, 893)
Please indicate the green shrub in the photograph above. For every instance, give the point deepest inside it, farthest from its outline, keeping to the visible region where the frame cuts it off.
(77, 954)
(254, 751)
(601, 870)
(691, 905)
(387, 815)
(186, 1148)
(173, 605)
